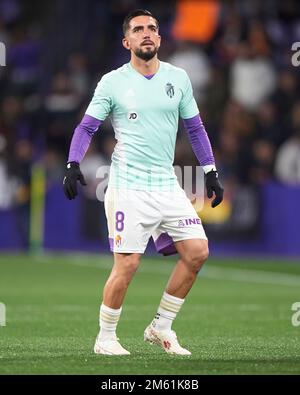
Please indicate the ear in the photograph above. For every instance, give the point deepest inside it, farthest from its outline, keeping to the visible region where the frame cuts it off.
(125, 43)
(159, 41)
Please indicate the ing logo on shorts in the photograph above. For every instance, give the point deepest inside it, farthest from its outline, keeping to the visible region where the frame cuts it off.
(118, 240)
(180, 224)
(188, 221)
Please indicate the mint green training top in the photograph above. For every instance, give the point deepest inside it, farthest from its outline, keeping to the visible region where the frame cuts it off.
(144, 115)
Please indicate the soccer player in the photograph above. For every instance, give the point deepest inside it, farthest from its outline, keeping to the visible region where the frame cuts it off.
(144, 99)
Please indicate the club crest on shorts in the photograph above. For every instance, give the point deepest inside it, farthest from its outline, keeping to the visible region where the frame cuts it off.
(118, 240)
(170, 90)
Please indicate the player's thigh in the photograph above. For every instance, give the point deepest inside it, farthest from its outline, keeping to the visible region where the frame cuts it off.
(180, 219)
(130, 218)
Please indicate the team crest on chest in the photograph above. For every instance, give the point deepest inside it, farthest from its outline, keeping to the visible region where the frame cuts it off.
(169, 90)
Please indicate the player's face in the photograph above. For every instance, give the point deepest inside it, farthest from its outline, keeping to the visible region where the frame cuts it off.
(142, 37)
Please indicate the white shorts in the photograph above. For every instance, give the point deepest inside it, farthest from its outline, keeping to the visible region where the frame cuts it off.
(134, 216)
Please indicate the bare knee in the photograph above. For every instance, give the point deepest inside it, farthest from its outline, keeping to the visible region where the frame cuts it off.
(125, 267)
(195, 257)
(130, 263)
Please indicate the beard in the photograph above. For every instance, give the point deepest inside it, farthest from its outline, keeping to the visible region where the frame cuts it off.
(147, 54)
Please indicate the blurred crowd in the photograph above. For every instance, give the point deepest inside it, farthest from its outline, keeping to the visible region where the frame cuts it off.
(244, 82)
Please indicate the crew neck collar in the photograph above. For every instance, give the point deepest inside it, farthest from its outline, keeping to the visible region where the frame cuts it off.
(147, 75)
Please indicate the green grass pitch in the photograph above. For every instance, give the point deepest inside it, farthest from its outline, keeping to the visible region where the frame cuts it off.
(237, 319)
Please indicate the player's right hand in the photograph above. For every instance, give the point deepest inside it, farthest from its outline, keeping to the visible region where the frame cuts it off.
(213, 185)
(73, 174)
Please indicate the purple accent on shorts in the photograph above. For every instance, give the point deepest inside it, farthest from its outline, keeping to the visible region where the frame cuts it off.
(111, 244)
(149, 76)
(82, 137)
(165, 245)
(199, 140)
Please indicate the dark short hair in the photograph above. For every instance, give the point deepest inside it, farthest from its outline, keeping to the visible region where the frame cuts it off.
(132, 15)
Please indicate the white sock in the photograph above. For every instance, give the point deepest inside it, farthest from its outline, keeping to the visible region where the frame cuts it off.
(108, 322)
(167, 312)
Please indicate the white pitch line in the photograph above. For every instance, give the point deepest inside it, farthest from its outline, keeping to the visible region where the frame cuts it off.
(209, 271)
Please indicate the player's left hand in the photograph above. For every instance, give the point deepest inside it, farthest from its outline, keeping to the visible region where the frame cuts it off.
(213, 185)
(73, 174)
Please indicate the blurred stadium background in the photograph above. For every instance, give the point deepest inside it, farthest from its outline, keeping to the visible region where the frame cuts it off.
(239, 58)
(238, 55)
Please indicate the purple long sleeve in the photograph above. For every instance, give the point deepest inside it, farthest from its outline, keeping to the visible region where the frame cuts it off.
(82, 137)
(199, 140)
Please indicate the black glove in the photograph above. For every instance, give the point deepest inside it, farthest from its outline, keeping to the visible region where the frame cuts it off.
(213, 185)
(73, 174)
